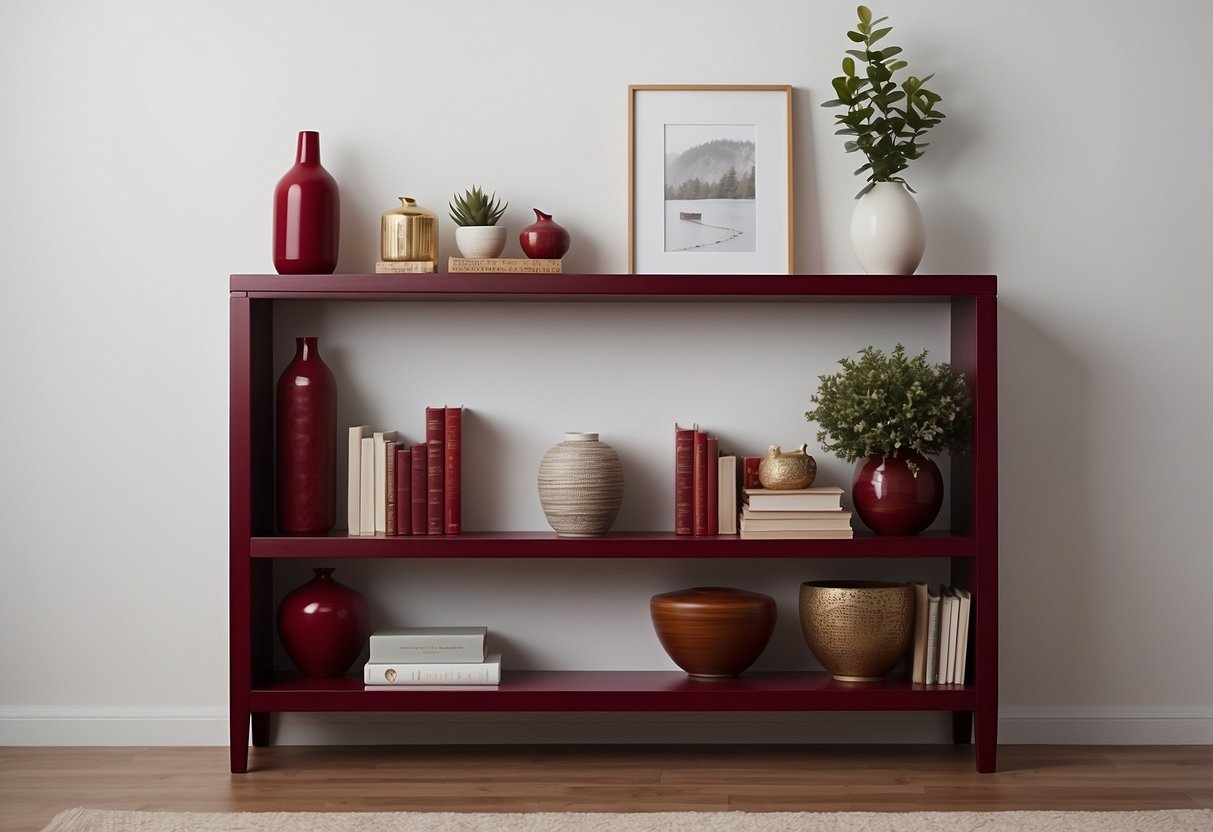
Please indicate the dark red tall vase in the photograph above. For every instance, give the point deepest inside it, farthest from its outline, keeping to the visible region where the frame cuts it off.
(324, 625)
(544, 239)
(890, 499)
(307, 214)
(306, 433)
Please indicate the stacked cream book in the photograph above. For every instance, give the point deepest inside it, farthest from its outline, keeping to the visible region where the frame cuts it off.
(439, 657)
(795, 514)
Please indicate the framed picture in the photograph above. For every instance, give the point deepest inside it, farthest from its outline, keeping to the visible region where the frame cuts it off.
(709, 179)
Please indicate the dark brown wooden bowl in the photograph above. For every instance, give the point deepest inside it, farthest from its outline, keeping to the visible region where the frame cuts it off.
(712, 631)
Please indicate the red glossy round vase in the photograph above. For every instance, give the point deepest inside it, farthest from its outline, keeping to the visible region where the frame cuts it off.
(306, 446)
(890, 499)
(544, 239)
(712, 631)
(307, 214)
(324, 625)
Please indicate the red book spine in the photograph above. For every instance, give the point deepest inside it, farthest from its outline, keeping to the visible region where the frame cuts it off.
(684, 453)
(435, 431)
(749, 467)
(452, 494)
(712, 486)
(699, 485)
(389, 481)
(404, 490)
(418, 486)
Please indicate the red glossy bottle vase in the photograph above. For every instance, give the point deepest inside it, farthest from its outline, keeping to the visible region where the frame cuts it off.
(323, 625)
(306, 447)
(307, 214)
(543, 239)
(891, 499)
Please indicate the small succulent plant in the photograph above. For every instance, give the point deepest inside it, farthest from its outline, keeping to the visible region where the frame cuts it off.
(474, 208)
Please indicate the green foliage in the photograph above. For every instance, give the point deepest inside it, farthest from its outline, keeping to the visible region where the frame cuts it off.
(474, 208)
(884, 120)
(881, 404)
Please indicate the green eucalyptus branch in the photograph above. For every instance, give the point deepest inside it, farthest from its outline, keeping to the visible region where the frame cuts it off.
(887, 134)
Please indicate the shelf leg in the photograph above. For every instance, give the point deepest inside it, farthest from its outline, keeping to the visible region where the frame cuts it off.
(987, 741)
(261, 729)
(962, 727)
(239, 741)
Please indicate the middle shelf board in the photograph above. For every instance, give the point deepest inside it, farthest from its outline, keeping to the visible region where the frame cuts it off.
(615, 545)
(630, 690)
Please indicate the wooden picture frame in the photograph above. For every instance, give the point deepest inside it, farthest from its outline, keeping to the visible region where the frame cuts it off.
(710, 179)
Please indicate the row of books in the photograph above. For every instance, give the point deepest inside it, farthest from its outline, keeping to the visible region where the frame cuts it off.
(941, 635)
(795, 514)
(705, 484)
(446, 657)
(398, 488)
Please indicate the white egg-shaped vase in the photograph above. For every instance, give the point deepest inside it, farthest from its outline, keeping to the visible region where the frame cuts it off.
(887, 232)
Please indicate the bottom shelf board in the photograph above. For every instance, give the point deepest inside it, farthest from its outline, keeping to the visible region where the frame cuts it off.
(633, 690)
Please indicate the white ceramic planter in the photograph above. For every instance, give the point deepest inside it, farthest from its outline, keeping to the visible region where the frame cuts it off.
(887, 231)
(480, 240)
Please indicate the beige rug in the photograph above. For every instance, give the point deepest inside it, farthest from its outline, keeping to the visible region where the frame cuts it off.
(95, 820)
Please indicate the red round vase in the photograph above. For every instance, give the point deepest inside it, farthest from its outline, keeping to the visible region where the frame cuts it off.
(307, 214)
(890, 499)
(306, 446)
(324, 625)
(544, 239)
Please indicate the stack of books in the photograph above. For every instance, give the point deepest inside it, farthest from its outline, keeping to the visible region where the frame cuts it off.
(398, 488)
(941, 635)
(705, 484)
(446, 657)
(795, 514)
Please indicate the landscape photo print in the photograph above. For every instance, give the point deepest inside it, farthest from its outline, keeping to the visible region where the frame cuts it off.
(710, 180)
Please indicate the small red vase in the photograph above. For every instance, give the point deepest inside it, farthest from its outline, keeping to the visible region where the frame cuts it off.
(306, 433)
(324, 625)
(544, 239)
(890, 499)
(307, 214)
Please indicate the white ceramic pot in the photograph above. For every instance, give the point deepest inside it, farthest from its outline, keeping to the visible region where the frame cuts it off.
(887, 231)
(480, 240)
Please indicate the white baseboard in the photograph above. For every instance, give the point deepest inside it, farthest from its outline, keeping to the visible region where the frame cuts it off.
(180, 726)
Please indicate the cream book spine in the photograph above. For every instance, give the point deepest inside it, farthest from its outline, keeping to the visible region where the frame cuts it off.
(487, 672)
(366, 502)
(381, 437)
(962, 632)
(353, 505)
(726, 489)
(932, 667)
(947, 628)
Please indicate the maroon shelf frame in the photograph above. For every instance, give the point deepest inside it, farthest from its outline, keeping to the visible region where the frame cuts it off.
(971, 546)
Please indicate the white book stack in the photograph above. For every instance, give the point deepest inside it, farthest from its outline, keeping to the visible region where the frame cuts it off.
(795, 514)
(411, 657)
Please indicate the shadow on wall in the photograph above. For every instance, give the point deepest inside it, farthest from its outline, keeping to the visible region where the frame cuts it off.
(806, 207)
(1049, 622)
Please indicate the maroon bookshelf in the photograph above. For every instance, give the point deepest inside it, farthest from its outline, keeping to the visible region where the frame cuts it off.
(970, 547)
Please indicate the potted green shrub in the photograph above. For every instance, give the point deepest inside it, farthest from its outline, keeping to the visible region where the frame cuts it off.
(475, 214)
(887, 413)
(885, 121)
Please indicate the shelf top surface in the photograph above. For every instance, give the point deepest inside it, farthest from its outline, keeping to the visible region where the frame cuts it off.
(574, 287)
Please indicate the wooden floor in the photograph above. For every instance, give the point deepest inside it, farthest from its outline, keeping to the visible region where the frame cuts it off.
(35, 783)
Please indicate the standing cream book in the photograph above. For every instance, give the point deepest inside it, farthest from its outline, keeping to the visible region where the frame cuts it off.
(381, 437)
(366, 501)
(962, 651)
(726, 489)
(487, 672)
(932, 666)
(353, 504)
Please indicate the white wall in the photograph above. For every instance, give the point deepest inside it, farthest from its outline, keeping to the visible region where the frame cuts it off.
(140, 143)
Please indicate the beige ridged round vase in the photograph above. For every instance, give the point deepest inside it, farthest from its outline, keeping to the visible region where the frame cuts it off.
(581, 486)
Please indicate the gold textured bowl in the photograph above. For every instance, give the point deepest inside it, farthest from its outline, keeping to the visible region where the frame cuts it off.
(858, 630)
